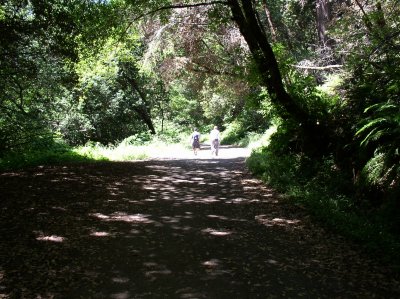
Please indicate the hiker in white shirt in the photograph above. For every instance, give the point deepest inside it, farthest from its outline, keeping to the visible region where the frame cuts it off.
(214, 141)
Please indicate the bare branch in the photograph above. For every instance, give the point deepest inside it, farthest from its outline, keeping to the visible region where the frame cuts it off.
(201, 68)
(333, 66)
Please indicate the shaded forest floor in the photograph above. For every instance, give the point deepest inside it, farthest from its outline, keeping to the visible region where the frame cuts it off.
(170, 228)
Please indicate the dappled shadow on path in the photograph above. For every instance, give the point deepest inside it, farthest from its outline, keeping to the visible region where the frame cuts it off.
(167, 229)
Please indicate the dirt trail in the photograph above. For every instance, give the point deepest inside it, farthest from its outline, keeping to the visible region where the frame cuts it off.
(171, 228)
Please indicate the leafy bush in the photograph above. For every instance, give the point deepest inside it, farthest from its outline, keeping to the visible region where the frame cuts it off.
(233, 133)
(137, 139)
(380, 132)
(326, 192)
(75, 128)
(53, 152)
(245, 130)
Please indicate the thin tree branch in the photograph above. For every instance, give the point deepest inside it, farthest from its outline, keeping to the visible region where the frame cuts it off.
(333, 66)
(271, 26)
(201, 68)
(176, 6)
(218, 42)
(180, 6)
(367, 21)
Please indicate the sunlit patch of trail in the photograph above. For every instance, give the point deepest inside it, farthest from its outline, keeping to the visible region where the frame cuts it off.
(177, 152)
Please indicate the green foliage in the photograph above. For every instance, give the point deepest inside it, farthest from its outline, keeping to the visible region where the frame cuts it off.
(136, 147)
(372, 98)
(236, 133)
(281, 165)
(38, 42)
(380, 133)
(305, 91)
(174, 133)
(251, 122)
(184, 109)
(327, 193)
(287, 16)
(233, 134)
(360, 109)
(2, 13)
(75, 128)
(142, 138)
(265, 166)
(115, 99)
(49, 152)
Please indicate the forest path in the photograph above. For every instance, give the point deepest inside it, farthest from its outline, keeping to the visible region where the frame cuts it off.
(172, 228)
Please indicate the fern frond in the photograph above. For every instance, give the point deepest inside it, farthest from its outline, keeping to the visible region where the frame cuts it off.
(373, 135)
(387, 106)
(371, 107)
(370, 124)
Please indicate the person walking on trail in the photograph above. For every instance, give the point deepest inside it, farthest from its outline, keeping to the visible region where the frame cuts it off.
(214, 141)
(195, 140)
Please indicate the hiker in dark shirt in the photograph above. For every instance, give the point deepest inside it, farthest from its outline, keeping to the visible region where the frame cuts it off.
(195, 140)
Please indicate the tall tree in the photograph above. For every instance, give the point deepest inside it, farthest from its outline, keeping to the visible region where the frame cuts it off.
(323, 16)
(245, 15)
(129, 79)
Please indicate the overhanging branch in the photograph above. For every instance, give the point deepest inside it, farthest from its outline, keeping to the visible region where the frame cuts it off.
(175, 6)
(180, 6)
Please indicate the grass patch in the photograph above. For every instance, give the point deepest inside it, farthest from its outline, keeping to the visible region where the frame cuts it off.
(57, 153)
(132, 148)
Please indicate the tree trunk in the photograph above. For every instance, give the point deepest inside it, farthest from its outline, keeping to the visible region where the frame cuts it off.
(315, 133)
(244, 15)
(323, 16)
(145, 116)
(270, 24)
(142, 110)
